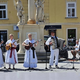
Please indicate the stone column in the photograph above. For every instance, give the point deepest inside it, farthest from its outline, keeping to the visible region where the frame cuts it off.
(20, 39)
(42, 37)
(31, 12)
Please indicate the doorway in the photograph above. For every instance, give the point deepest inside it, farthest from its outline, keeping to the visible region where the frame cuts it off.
(3, 37)
(71, 37)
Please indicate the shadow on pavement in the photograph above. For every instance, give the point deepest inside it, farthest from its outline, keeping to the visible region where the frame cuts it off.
(5, 70)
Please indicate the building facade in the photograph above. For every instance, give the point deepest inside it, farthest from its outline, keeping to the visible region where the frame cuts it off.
(56, 12)
(67, 14)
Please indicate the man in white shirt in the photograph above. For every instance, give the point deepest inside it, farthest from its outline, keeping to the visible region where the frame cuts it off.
(53, 42)
(74, 52)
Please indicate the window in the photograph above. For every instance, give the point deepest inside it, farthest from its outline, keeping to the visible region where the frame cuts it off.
(3, 11)
(71, 9)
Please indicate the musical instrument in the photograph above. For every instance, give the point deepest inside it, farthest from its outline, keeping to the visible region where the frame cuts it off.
(31, 44)
(10, 44)
(53, 43)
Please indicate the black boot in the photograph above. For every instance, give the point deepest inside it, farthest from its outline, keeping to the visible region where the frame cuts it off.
(57, 66)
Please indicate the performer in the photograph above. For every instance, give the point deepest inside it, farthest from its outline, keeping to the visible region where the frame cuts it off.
(1, 57)
(30, 60)
(74, 52)
(11, 54)
(53, 42)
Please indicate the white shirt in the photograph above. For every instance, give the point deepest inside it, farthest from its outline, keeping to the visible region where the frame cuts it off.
(48, 41)
(77, 47)
(31, 41)
(11, 41)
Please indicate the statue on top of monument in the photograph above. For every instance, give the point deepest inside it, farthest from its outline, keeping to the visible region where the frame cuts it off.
(19, 8)
(39, 11)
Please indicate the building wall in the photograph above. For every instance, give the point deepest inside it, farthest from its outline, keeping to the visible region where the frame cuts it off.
(9, 29)
(57, 11)
(54, 12)
(62, 33)
(12, 15)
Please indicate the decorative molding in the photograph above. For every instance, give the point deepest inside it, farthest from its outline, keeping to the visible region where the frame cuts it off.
(69, 23)
(71, 0)
(71, 17)
(7, 24)
(3, 1)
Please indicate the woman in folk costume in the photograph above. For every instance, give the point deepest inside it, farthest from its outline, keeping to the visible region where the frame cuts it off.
(30, 60)
(11, 54)
(1, 56)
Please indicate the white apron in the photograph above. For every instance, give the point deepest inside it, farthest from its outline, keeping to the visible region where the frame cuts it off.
(13, 59)
(1, 58)
(29, 61)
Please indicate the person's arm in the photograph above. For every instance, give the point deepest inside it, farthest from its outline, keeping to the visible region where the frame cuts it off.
(75, 46)
(24, 44)
(7, 43)
(36, 44)
(48, 42)
(14, 45)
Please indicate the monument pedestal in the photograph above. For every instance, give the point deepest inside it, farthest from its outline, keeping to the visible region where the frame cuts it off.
(37, 32)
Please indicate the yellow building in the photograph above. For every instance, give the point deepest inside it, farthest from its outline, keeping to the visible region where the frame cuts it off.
(56, 12)
(67, 14)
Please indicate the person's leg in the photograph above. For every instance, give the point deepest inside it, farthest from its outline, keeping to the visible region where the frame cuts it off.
(9, 66)
(76, 51)
(73, 53)
(13, 66)
(56, 57)
(51, 58)
(4, 65)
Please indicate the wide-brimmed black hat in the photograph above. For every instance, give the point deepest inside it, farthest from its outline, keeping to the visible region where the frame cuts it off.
(53, 31)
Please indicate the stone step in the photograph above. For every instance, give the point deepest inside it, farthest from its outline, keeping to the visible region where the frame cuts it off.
(44, 61)
(38, 54)
(39, 58)
(39, 61)
(43, 54)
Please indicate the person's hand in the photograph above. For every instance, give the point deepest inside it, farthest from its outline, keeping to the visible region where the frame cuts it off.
(37, 42)
(76, 47)
(50, 43)
(2, 42)
(27, 45)
(12, 43)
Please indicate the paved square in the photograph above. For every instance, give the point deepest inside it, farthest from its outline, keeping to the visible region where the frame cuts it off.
(65, 72)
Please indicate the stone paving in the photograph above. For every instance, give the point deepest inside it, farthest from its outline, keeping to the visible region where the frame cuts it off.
(65, 72)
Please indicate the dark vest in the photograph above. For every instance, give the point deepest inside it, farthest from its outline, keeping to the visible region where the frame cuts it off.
(55, 42)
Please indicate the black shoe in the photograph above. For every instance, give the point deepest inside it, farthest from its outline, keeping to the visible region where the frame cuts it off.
(57, 67)
(76, 59)
(73, 58)
(9, 68)
(4, 67)
(29, 68)
(50, 67)
(13, 68)
(32, 68)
